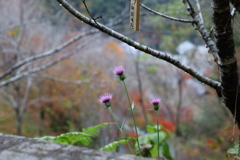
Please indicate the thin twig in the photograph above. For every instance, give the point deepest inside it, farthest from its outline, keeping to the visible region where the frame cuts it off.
(90, 13)
(59, 79)
(166, 16)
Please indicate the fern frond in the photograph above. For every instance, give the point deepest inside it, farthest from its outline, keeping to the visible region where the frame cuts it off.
(72, 138)
(93, 131)
(113, 146)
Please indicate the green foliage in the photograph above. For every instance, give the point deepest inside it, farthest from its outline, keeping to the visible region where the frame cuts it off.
(165, 150)
(93, 131)
(233, 151)
(152, 69)
(113, 146)
(71, 138)
(150, 140)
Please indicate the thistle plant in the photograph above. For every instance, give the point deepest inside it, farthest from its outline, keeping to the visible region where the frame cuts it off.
(119, 71)
(155, 102)
(106, 100)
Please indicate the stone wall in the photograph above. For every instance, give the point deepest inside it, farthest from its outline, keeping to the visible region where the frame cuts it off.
(21, 148)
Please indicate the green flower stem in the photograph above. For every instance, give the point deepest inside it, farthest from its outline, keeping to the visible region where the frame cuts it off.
(120, 129)
(134, 121)
(157, 133)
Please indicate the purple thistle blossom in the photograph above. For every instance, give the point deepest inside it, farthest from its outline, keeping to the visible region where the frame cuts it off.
(155, 101)
(105, 99)
(119, 70)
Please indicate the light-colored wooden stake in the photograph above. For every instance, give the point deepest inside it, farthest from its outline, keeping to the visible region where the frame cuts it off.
(134, 14)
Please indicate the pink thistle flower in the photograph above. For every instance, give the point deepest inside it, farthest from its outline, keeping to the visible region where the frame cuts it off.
(119, 70)
(105, 99)
(155, 102)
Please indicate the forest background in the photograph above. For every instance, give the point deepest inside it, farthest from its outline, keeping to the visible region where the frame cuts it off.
(58, 92)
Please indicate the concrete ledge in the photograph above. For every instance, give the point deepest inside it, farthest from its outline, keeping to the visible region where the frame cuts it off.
(21, 148)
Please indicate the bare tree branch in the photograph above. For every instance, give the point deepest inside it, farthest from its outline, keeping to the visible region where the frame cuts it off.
(199, 10)
(59, 79)
(37, 100)
(43, 67)
(47, 53)
(25, 97)
(166, 16)
(12, 102)
(57, 49)
(204, 33)
(150, 51)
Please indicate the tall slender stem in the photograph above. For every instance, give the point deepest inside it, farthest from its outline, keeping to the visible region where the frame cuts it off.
(134, 121)
(120, 129)
(157, 133)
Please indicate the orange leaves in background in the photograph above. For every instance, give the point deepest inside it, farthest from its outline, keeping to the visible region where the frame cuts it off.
(166, 124)
(186, 115)
(212, 143)
(113, 47)
(132, 133)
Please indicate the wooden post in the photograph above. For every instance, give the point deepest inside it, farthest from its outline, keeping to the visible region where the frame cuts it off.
(134, 14)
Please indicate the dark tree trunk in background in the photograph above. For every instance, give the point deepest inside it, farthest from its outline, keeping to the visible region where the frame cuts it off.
(179, 105)
(141, 97)
(19, 121)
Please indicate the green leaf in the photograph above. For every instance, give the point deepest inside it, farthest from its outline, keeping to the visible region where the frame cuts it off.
(154, 150)
(93, 131)
(234, 150)
(152, 129)
(127, 138)
(162, 136)
(152, 139)
(165, 151)
(113, 146)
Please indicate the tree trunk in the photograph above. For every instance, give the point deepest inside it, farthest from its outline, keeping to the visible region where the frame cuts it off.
(223, 33)
(19, 122)
(140, 88)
